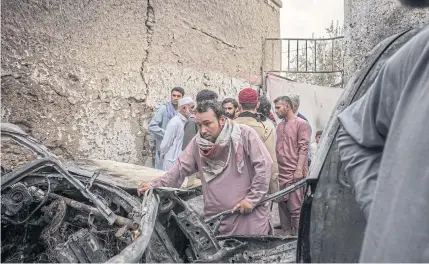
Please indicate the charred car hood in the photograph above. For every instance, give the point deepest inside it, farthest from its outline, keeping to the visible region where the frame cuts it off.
(100, 195)
(64, 192)
(124, 175)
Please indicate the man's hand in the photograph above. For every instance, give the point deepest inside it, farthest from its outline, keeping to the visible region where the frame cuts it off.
(297, 174)
(245, 207)
(142, 188)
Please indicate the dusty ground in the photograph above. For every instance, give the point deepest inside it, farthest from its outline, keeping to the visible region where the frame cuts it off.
(275, 220)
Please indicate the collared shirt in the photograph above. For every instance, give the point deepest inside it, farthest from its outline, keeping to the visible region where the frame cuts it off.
(160, 121)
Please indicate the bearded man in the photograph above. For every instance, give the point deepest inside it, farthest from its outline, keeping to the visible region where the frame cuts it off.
(230, 106)
(236, 169)
(293, 135)
(191, 128)
(171, 145)
(160, 121)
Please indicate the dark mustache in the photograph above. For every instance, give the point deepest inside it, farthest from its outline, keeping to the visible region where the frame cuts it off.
(205, 135)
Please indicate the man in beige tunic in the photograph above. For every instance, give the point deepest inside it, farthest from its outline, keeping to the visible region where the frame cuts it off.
(236, 169)
(248, 100)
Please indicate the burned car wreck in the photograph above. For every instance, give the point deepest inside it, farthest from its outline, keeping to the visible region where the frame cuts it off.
(54, 211)
(50, 214)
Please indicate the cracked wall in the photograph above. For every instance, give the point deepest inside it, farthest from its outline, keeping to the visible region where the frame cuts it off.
(366, 23)
(84, 76)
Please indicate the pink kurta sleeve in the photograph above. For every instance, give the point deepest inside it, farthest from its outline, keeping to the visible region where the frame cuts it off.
(185, 165)
(262, 163)
(303, 138)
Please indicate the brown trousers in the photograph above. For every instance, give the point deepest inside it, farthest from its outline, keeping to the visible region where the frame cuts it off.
(290, 209)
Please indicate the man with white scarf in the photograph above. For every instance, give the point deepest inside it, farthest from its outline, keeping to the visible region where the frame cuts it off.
(236, 169)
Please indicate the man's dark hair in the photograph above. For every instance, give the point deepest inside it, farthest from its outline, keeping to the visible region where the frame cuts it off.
(284, 99)
(247, 107)
(319, 133)
(215, 106)
(206, 95)
(178, 89)
(264, 106)
(230, 100)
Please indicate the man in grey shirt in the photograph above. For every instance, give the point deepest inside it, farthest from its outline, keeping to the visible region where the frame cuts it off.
(159, 122)
(382, 145)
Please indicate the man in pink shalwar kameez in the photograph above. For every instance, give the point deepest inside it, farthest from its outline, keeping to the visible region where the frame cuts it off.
(236, 169)
(293, 135)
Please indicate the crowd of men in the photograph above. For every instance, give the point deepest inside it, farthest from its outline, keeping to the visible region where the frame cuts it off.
(238, 152)
(380, 145)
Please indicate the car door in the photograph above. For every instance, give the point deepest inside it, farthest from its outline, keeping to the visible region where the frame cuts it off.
(332, 224)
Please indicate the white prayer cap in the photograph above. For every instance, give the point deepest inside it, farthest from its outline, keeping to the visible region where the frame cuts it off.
(185, 100)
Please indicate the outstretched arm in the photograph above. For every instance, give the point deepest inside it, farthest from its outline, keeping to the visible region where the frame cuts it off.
(185, 165)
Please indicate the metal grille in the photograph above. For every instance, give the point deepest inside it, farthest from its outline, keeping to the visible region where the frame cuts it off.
(305, 60)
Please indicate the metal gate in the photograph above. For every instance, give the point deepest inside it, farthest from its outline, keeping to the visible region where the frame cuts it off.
(314, 61)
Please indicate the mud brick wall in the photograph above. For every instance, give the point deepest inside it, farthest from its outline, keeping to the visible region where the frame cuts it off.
(84, 76)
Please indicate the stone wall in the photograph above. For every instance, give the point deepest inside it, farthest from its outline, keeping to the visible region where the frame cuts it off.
(368, 22)
(84, 76)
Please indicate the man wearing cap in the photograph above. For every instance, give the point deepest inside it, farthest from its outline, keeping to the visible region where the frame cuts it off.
(171, 144)
(248, 103)
(236, 169)
(293, 136)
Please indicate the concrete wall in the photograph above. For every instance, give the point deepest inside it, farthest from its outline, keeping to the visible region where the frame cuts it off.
(367, 22)
(83, 76)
